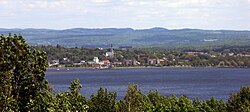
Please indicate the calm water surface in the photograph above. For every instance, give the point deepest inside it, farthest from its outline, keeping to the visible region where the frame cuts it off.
(192, 82)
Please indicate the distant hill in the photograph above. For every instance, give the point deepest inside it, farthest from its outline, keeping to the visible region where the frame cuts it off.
(154, 37)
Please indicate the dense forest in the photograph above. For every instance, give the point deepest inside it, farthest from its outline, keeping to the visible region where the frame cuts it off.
(23, 88)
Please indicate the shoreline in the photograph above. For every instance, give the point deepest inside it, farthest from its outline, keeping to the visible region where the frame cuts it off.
(145, 67)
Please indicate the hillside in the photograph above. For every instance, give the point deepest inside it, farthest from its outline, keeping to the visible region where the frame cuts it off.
(154, 37)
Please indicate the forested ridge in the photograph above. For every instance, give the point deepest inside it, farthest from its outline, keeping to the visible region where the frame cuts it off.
(154, 37)
(23, 88)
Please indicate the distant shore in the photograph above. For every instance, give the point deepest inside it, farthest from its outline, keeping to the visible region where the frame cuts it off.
(144, 67)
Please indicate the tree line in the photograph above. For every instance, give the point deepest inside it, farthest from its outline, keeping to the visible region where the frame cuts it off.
(23, 88)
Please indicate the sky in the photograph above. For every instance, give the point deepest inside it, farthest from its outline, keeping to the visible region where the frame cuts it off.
(137, 14)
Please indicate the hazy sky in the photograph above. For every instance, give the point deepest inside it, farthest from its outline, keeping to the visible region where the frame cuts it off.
(138, 14)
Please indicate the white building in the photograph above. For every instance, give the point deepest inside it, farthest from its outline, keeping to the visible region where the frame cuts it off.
(54, 63)
(96, 60)
(111, 53)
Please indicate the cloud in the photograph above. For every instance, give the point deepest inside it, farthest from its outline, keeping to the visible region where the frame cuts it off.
(46, 4)
(122, 13)
(101, 1)
(4, 2)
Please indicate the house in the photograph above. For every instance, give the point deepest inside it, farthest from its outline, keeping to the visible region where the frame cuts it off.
(54, 63)
(194, 53)
(80, 63)
(244, 55)
(156, 61)
(153, 61)
(83, 62)
(230, 54)
(96, 60)
(90, 62)
(117, 63)
(142, 56)
(162, 61)
(77, 64)
(106, 62)
(66, 59)
(101, 64)
(130, 62)
(213, 56)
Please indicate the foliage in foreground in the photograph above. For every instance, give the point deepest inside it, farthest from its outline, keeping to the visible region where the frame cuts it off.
(24, 89)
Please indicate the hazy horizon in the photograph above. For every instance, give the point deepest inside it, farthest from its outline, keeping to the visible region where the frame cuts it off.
(128, 28)
(136, 14)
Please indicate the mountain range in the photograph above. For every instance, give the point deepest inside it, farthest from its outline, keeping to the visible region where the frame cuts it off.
(154, 37)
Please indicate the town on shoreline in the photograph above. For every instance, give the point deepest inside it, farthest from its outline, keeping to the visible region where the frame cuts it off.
(128, 57)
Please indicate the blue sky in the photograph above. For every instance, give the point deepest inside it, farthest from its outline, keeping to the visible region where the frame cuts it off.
(137, 14)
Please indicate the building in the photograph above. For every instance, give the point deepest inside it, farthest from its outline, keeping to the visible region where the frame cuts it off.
(96, 60)
(153, 61)
(117, 63)
(80, 63)
(66, 59)
(54, 63)
(130, 62)
(101, 64)
(194, 53)
(162, 61)
(111, 53)
(106, 62)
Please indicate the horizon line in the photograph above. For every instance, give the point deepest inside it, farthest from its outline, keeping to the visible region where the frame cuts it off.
(92, 28)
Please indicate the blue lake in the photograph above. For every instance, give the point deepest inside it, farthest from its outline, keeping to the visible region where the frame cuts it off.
(192, 82)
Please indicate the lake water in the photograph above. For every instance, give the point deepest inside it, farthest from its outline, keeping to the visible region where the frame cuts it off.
(192, 82)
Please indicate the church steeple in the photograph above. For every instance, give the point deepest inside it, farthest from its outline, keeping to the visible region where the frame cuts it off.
(111, 48)
(111, 52)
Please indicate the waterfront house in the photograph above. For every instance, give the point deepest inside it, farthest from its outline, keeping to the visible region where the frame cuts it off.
(130, 62)
(54, 63)
(96, 60)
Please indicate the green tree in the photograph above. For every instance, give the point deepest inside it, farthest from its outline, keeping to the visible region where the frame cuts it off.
(22, 72)
(198, 104)
(103, 101)
(240, 101)
(217, 105)
(7, 101)
(136, 101)
(185, 104)
(120, 106)
(157, 100)
(72, 100)
(45, 101)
